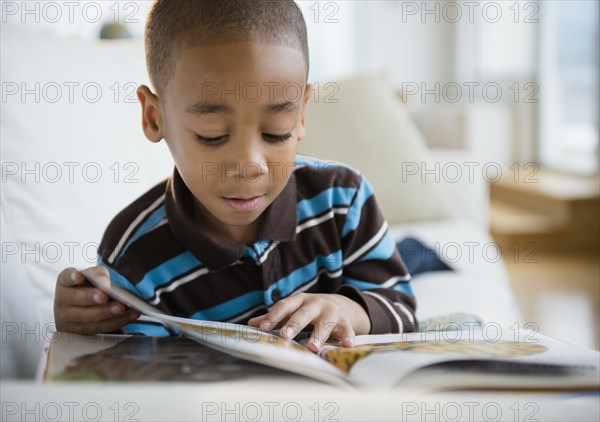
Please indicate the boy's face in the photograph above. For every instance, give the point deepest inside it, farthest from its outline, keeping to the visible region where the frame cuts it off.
(231, 115)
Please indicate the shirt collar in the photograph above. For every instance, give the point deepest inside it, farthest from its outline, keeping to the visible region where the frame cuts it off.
(278, 223)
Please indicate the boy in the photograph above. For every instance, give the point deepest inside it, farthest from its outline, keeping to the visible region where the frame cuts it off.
(244, 230)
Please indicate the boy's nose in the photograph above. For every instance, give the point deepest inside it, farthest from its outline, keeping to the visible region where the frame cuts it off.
(250, 163)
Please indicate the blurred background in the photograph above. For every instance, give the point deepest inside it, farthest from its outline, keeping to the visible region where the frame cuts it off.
(515, 83)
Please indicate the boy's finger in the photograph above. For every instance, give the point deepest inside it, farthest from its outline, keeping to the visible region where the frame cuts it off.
(100, 274)
(255, 322)
(323, 329)
(106, 326)
(70, 277)
(83, 296)
(118, 322)
(281, 310)
(93, 314)
(299, 319)
(345, 333)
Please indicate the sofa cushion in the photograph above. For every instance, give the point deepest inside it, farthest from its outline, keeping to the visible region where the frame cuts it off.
(478, 285)
(359, 121)
(70, 160)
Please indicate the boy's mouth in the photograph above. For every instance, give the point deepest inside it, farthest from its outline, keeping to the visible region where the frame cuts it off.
(243, 204)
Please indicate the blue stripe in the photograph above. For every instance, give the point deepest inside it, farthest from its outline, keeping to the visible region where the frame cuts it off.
(353, 217)
(404, 287)
(401, 286)
(288, 284)
(256, 249)
(315, 164)
(118, 279)
(146, 329)
(231, 308)
(320, 164)
(328, 198)
(154, 218)
(384, 249)
(249, 252)
(165, 272)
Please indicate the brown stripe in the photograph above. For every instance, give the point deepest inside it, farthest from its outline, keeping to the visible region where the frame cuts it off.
(370, 222)
(378, 270)
(147, 253)
(121, 222)
(315, 181)
(216, 288)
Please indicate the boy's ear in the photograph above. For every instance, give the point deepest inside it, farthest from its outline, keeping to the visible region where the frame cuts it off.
(151, 116)
(302, 128)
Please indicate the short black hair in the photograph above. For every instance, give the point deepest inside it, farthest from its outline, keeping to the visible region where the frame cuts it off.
(173, 25)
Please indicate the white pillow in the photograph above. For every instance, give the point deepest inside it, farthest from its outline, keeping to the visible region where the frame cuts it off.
(58, 219)
(22, 334)
(358, 121)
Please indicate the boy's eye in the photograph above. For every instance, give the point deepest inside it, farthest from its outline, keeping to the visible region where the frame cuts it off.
(210, 141)
(277, 138)
(269, 137)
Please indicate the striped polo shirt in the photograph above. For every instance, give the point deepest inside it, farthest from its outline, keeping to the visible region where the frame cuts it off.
(324, 233)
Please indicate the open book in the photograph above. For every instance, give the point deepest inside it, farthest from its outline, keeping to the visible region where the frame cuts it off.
(495, 357)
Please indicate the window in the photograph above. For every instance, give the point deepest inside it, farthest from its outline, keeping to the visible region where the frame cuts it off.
(568, 78)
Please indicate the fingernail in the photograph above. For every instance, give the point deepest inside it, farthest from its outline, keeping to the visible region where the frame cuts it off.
(73, 276)
(316, 341)
(289, 333)
(116, 309)
(265, 325)
(97, 298)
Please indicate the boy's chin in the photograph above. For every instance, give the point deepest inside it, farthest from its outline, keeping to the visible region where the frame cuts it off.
(232, 218)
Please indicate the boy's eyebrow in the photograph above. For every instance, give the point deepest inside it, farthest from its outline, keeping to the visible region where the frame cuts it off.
(208, 108)
(284, 106)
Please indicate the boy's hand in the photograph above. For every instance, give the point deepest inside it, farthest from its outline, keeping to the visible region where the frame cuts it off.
(83, 309)
(330, 314)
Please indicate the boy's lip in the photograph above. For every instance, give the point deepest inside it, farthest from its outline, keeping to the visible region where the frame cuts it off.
(246, 204)
(242, 198)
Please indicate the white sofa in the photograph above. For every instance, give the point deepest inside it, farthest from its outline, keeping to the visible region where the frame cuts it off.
(71, 161)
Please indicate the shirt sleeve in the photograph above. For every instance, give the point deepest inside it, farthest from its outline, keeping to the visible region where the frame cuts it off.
(374, 274)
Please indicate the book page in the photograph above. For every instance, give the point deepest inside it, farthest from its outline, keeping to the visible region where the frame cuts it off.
(238, 340)
(516, 358)
(125, 358)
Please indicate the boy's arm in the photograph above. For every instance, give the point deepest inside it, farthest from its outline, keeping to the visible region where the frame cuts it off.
(373, 272)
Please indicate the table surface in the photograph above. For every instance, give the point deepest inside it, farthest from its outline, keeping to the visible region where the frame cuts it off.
(292, 399)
